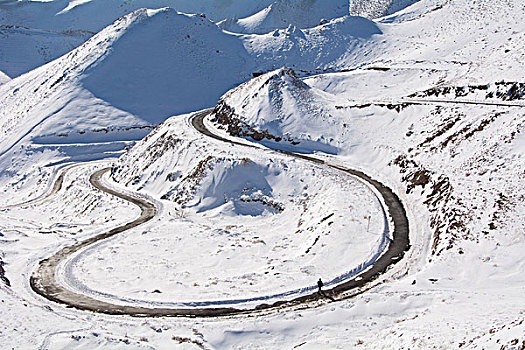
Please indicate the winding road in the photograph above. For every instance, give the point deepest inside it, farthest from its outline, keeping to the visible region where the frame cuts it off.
(57, 186)
(43, 281)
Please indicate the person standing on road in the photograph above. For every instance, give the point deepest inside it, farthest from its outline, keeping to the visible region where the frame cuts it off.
(320, 285)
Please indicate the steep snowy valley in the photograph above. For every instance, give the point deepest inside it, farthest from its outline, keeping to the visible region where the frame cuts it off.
(251, 148)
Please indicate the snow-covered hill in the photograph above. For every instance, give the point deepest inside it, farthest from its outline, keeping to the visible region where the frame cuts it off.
(243, 190)
(332, 46)
(117, 85)
(94, 15)
(284, 13)
(280, 109)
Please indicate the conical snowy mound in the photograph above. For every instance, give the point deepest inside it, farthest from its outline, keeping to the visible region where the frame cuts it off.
(280, 108)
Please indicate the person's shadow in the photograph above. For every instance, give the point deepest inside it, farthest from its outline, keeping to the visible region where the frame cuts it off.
(324, 295)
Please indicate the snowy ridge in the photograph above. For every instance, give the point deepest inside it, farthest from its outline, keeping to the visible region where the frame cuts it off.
(94, 15)
(284, 13)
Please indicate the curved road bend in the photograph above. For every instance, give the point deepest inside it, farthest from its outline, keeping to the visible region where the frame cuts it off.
(57, 186)
(44, 283)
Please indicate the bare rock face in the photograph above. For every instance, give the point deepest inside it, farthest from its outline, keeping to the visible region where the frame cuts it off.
(2, 275)
(225, 115)
(377, 8)
(502, 90)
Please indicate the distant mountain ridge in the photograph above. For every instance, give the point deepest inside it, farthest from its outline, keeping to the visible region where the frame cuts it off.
(284, 13)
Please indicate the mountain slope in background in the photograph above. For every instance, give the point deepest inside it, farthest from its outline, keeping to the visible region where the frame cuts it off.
(283, 13)
(24, 49)
(34, 32)
(133, 75)
(331, 46)
(94, 15)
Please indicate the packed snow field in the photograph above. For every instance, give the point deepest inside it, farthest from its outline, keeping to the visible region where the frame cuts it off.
(427, 97)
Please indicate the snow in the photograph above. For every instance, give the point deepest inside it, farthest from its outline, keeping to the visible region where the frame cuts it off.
(24, 49)
(282, 14)
(324, 47)
(109, 91)
(4, 78)
(363, 95)
(144, 80)
(94, 15)
(37, 32)
(272, 104)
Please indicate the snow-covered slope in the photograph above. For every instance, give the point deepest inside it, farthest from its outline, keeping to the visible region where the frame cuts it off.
(35, 32)
(117, 85)
(168, 63)
(130, 70)
(24, 49)
(4, 78)
(334, 45)
(283, 13)
(263, 202)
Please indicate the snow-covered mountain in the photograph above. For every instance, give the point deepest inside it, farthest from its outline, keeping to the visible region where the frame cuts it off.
(36, 32)
(284, 13)
(117, 85)
(94, 15)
